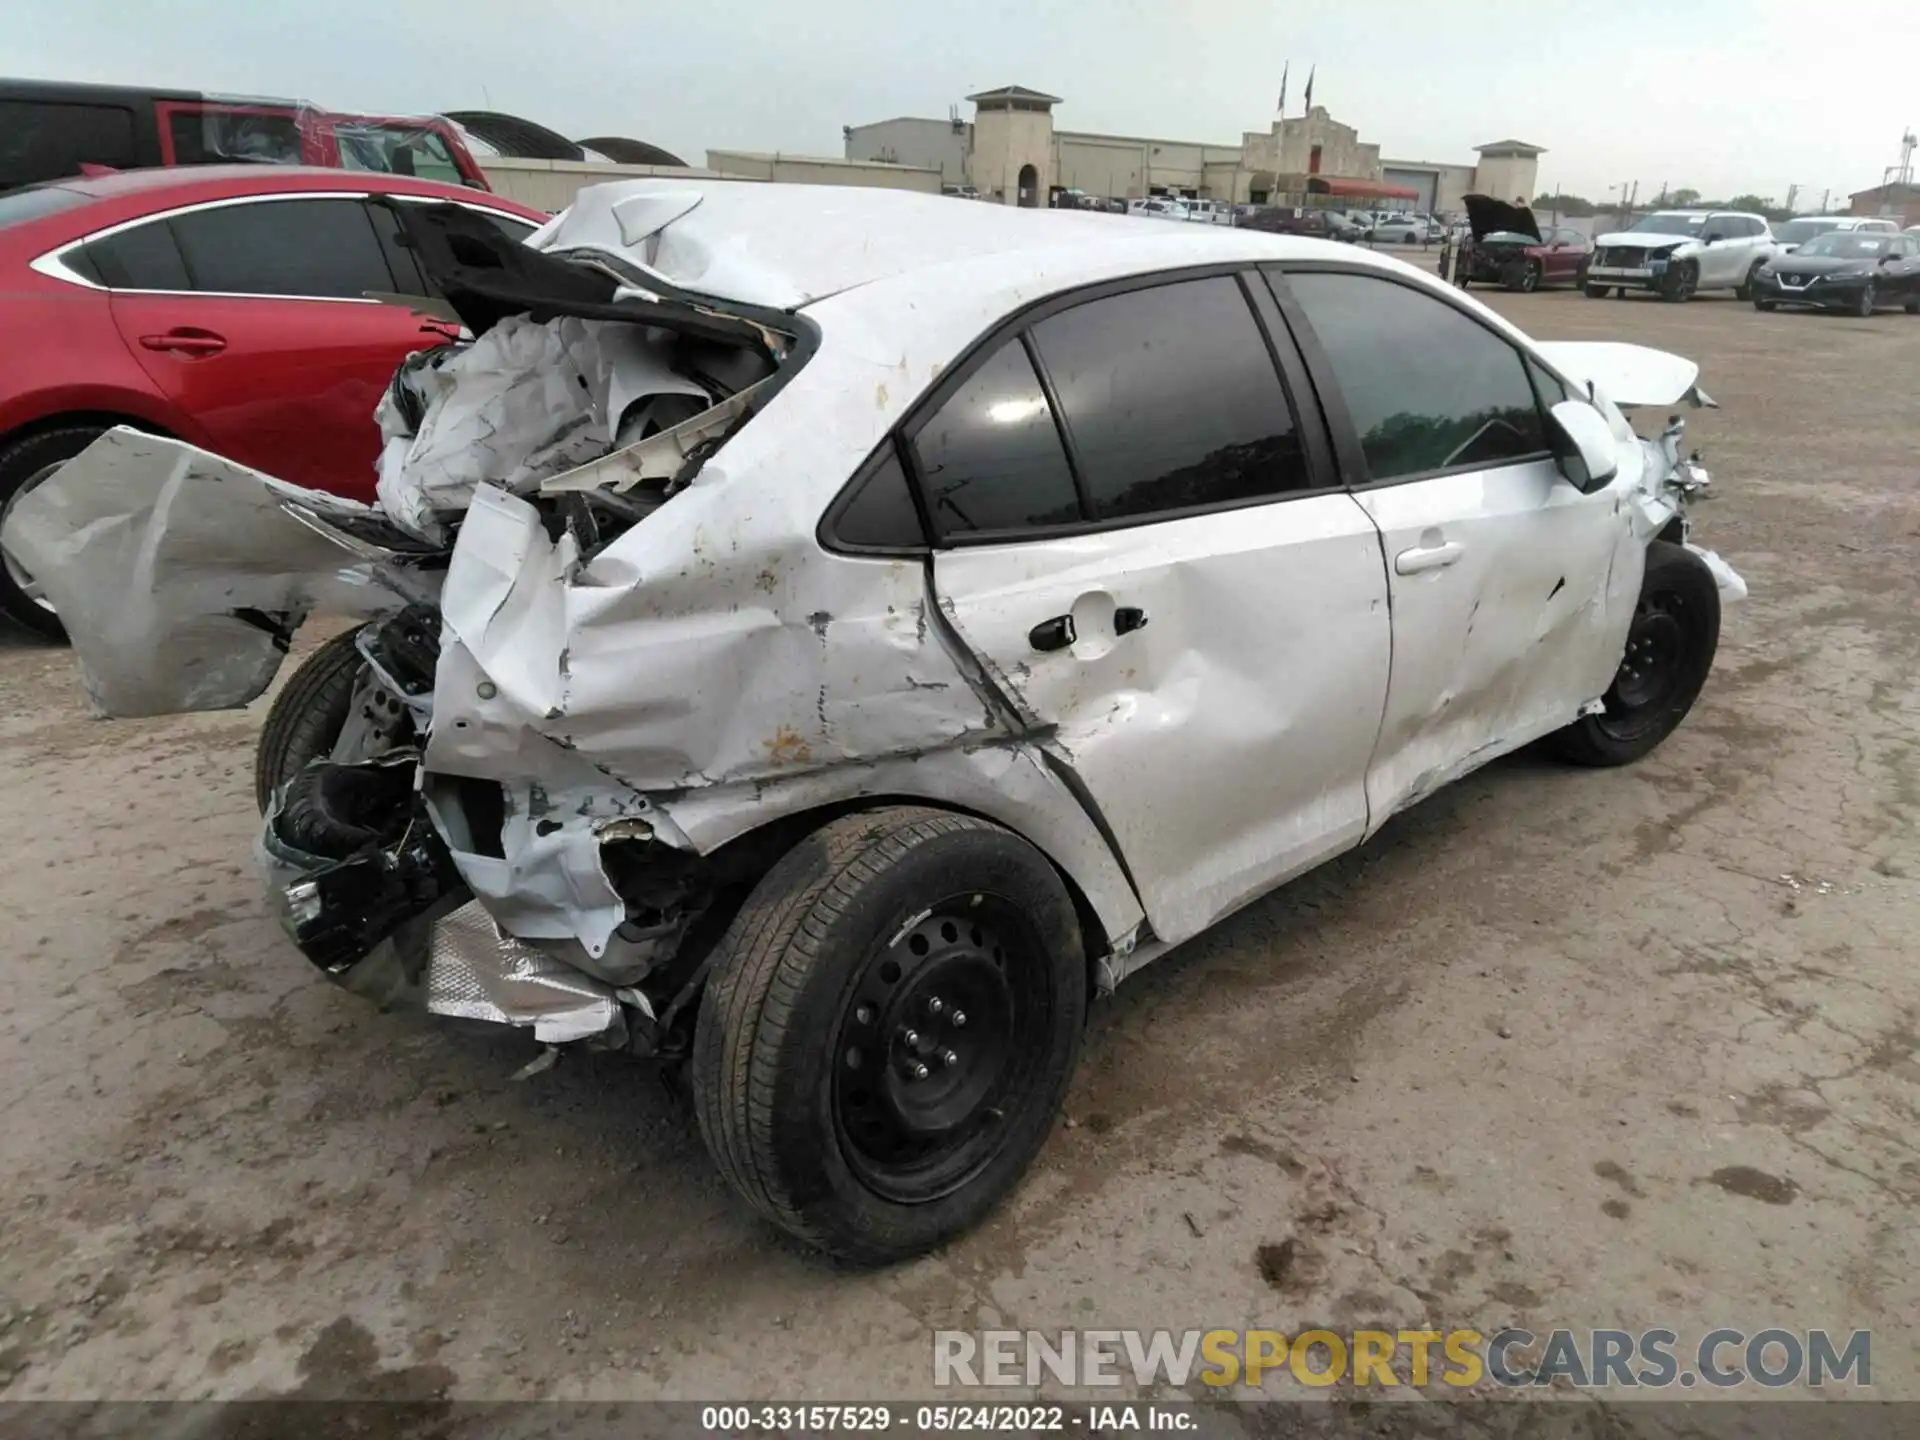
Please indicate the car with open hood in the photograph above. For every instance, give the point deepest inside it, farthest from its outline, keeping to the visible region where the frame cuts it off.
(1506, 245)
(1855, 271)
(1678, 253)
(825, 666)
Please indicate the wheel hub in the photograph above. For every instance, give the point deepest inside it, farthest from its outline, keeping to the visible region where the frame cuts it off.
(1650, 669)
(929, 1050)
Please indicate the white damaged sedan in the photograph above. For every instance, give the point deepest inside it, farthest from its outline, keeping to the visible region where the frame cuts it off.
(818, 637)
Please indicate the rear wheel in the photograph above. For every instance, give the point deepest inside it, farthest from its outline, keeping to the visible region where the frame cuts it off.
(307, 716)
(23, 465)
(889, 1030)
(1670, 648)
(1744, 290)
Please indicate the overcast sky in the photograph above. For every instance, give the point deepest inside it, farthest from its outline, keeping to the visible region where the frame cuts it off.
(1724, 96)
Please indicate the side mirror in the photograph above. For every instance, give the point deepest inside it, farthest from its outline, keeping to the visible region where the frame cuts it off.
(1583, 444)
(1713, 237)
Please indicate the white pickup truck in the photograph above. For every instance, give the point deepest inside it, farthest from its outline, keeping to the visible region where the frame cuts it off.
(1676, 253)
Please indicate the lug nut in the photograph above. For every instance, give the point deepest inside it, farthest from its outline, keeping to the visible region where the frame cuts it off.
(947, 1057)
(919, 1071)
(934, 1005)
(909, 1037)
(864, 1014)
(958, 1018)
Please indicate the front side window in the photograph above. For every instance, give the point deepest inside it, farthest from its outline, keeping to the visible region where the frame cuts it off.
(1171, 400)
(991, 457)
(1427, 387)
(300, 248)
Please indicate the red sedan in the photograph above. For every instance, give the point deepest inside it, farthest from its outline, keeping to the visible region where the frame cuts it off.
(226, 306)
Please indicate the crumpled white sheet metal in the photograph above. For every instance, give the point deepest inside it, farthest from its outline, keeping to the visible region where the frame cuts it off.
(526, 401)
(147, 547)
(1628, 375)
(476, 972)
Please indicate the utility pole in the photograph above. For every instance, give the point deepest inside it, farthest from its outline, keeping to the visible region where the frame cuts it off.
(1634, 201)
(1823, 200)
(1792, 190)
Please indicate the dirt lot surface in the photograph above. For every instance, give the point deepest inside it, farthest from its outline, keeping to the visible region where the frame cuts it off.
(1631, 1048)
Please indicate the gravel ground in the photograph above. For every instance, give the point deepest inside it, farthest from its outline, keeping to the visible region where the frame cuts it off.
(1624, 1048)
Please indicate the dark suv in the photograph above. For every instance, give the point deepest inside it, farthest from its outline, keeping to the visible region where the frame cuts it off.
(50, 130)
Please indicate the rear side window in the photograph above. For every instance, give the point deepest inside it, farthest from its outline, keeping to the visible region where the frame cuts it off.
(312, 248)
(1171, 400)
(991, 457)
(143, 258)
(880, 515)
(44, 140)
(1427, 387)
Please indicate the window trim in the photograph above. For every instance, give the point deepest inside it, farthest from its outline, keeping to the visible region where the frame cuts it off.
(1346, 435)
(1018, 323)
(53, 263)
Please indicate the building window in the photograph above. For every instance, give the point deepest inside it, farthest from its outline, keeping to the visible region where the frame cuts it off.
(1313, 161)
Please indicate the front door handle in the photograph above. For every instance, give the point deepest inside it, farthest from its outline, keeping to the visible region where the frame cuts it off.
(1431, 557)
(186, 341)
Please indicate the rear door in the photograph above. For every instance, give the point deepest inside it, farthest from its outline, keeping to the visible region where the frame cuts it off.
(1142, 539)
(251, 316)
(1506, 580)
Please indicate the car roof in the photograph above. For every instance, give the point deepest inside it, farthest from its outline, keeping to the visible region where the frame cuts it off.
(787, 246)
(247, 179)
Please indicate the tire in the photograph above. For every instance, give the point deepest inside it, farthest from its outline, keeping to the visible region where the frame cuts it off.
(1596, 292)
(1744, 290)
(23, 465)
(1867, 301)
(306, 717)
(1524, 277)
(1679, 290)
(801, 1063)
(1759, 304)
(1912, 307)
(1670, 648)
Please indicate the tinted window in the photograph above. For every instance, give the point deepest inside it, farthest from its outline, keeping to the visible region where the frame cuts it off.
(1550, 390)
(208, 137)
(45, 140)
(991, 458)
(1427, 387)
(283, 247)
(143, 258)
(396, 150)
(1171, 399)
(881, 515)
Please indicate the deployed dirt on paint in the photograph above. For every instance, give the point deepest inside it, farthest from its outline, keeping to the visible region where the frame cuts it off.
(225, 1177)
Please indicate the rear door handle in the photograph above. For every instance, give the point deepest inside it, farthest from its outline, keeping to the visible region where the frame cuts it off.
(1432, 557)
(186, 341)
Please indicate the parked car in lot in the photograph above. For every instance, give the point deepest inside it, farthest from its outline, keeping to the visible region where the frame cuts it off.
(225, 305)
(1858, 271)
(1677, 253)
(1403, 230)
(837, 742)
(1791, 234)
(1299, 220)
(52, 129)
(1505, 245)
(1157, 207)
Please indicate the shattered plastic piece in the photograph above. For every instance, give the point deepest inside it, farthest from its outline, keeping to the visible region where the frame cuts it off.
(125, 538)
(1732, 587)
(540, 1063)
(476, 973)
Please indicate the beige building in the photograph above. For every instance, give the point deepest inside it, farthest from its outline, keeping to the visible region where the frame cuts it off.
(822, 170)
(1012, 152)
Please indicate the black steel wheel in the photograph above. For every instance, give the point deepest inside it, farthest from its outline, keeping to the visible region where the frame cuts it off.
(1668, 654)
(889, 1028)
(937, 1046)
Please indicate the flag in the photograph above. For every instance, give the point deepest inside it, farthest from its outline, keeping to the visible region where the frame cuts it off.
(1283, 86)
(1310, 75)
